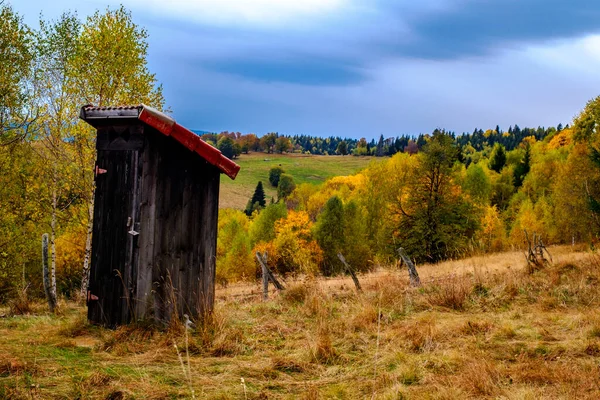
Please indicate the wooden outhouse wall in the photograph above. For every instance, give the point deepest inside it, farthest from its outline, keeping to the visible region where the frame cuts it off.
(155, 227)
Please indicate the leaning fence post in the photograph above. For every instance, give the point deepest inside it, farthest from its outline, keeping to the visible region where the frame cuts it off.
(271, 275)
(350, 271)
(413, 275)
(265, 277)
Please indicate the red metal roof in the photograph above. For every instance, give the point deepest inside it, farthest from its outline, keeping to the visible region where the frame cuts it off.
(168, 127)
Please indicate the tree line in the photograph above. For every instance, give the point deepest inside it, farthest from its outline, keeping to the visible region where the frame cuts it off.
(446, 200)
(233, 144)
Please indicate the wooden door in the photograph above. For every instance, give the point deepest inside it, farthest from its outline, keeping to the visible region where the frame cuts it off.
(116, 227)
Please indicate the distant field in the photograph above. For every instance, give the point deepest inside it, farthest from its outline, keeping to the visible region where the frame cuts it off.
(304, 168)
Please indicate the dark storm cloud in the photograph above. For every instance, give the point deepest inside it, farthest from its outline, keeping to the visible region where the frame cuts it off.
(453, 30)
(477, 27)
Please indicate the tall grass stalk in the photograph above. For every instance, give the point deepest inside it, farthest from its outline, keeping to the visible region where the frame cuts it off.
(187, 372)
(243, 383)
(377, 343)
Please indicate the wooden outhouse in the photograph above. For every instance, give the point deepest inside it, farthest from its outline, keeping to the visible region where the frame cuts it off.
(155, 217)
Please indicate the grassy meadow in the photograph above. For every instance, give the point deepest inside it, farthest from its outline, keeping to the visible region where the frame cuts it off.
(477, 328)
(304, 168)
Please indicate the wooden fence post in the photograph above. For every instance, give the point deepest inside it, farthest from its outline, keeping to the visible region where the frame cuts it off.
(271, 275)
(413, 275)
(350, 271)
(267, 276)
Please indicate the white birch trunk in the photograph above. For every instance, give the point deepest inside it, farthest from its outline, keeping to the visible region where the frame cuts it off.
(53, 242)
(85, 275)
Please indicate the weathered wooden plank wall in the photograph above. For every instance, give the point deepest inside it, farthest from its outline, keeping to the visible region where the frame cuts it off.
(185, 225)
(169, 195)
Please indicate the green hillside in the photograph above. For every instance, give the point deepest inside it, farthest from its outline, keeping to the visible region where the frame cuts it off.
(304, 168)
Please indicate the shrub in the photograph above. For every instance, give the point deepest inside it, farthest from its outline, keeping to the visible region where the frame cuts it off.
(286, 186)
(274, 175)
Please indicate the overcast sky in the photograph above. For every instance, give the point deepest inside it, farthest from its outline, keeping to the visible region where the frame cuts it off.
(364, 68)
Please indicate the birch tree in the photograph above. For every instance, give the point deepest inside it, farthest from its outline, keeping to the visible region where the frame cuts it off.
(56, 43)
(109, 68)
(16, 58)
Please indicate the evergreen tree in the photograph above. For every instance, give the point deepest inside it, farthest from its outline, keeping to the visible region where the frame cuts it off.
(379, 149)
(522, 169)
(498, 158)
(257, 201)
(259, 195)
(342, 148)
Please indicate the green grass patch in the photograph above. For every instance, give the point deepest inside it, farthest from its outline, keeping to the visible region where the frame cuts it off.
(304, 168)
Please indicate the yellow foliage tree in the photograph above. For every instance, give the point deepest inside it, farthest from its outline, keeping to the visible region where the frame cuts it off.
(492, 235)
(234, 259)
(293, 250)
(576, 179)
(563, 138)
(527, 219)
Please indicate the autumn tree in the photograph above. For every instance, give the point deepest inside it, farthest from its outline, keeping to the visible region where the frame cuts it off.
(234, 258)
(293, 250)
(282, 144)
(357, 250)
(56, 44)
(285, 186)
(436, 221)
(109, 68)
(586, 130)
(249, 142)
(267, 142)
(329, 233)
(263, 225)
(19, 217)
(16, 64)
(502, 188)
(478, 184)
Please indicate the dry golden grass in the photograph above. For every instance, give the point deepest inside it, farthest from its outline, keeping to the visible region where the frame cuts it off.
(477, 328)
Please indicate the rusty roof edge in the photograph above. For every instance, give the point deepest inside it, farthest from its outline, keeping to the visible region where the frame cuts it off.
(212, 154)
(156, 119)
(168, 125)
